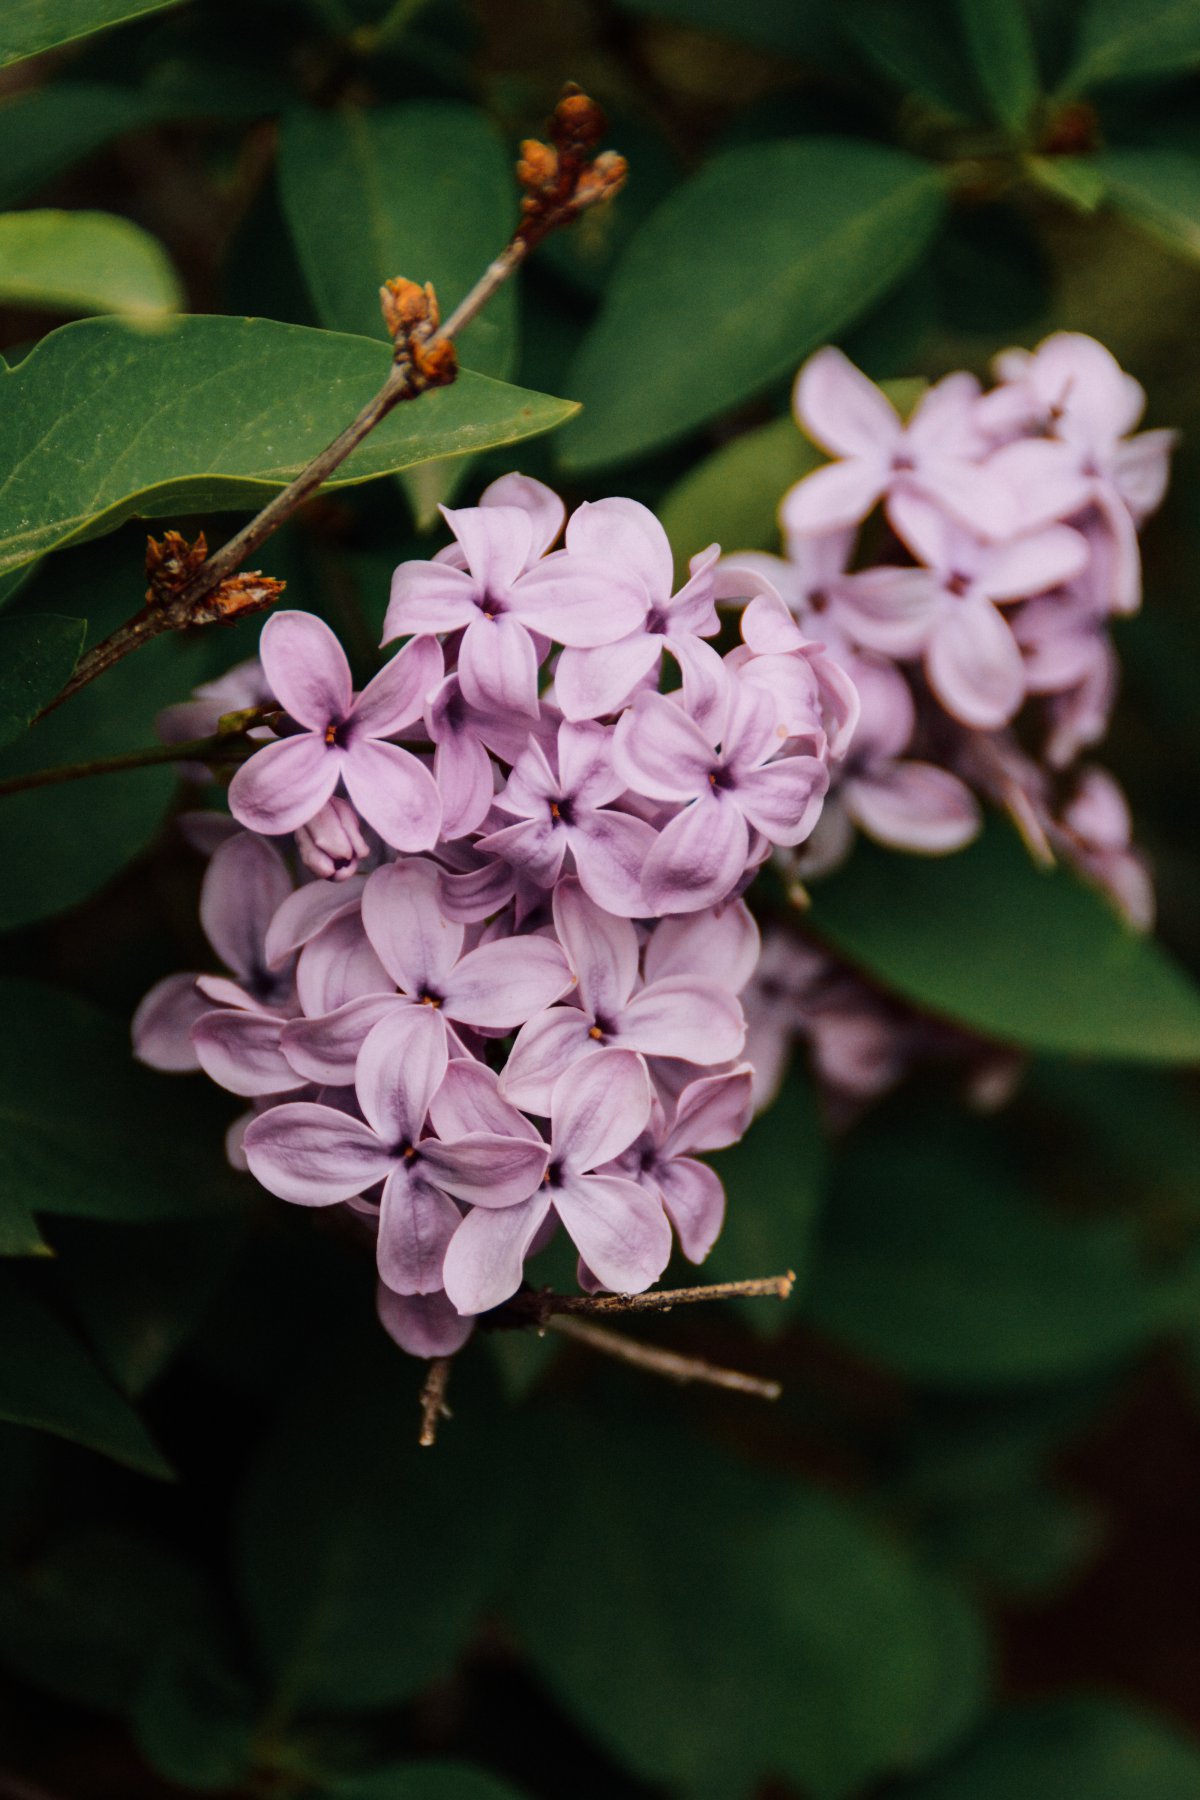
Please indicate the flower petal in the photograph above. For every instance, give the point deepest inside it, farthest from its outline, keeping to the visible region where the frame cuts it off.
(599, 1105)
(423, 1324)
(306, 912)
(712, 1113)
(397, 695)
(544, 1048)
(485, 1263)
(486, 1168)
(429, 596)
(414, 940)
(400, 1067)
(579, 600)
(394, 792)
(241, 1051)
(698, 859)
(783, 799)
(416, 1223)
(625, 533)
(500, 985)
(338, 965)
(974, 665)
(660, 753)
(244, 886)
(602, 950)
(589, 683)
(914, 806)
(619, 1228)
(162, 1025)
(326, 1049)
(306, 669)
(841, 410)
(313, 1155)
(834, 497)
(465, 777)
(721, 944)
(610, 851)
(695, 1204)
(546, 511)
(469, 1100)
(282, 785)
(683, 1016)
(497, 542)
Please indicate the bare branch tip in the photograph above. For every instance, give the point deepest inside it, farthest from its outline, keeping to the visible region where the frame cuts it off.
(433, 1400)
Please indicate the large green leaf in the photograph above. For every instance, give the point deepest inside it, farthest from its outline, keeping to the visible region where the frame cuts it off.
(934, 1260)
(84, 262)
(194, 1716)
(1159, 189)
(364, 1561)
(774, 1183)
(86, 1132)
(1122, 40)
(1032, 958)
(1000, 39)
(425, 1781)
(713, 1627)
(19, 1234)
(37, 655)
(206, 413)
(48, 1380)
(48, 129)
(1088, 1749)
(27, 27)
(766, 253)
(369, 194)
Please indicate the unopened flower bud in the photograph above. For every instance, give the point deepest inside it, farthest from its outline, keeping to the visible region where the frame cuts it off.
(332, 843)
(578, 123)
(408, 308)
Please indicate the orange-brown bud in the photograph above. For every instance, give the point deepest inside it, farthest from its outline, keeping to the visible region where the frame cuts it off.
(170, 564)
(408, 307)
(249, 592)
(578, 123)
(537, 171)
(601, 181)
(435, 363)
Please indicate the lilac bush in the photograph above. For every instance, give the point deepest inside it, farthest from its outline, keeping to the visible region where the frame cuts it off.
(490, 971)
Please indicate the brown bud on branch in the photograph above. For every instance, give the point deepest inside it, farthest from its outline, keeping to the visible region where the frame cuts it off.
(412, 316)
(565, 177)
(170, 564)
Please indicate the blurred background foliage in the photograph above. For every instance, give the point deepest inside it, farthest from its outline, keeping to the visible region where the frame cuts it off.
(957, 1561)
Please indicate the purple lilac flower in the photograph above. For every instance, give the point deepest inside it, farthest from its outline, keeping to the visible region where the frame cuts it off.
(710, 1114)
(342, 738)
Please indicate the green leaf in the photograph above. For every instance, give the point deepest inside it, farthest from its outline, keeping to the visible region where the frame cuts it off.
(1159, 190)
(1075, 179)
(30, 26)
(749, 1627)
(368, 194)
(200, 414)
(363, 1560)
(89, 1615)
(800, 31)
(84, 262)
(425, 1781)
(1031, 958)
(1024, 1544)
(86, 1132)
(19, 1235)
(37, 656)
(774, 1184)
(769, 251)
(1122, 40)
(48, 1380)
(43, 132)
(194, 1718)
(1000, 40)
(916, 50)
(934, 1260)
(1090, 1748)
(732, 497)
(960, 1691)
(140, 1293)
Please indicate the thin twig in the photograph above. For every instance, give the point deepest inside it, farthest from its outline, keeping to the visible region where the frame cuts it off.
(560, 183)
(542, 1308)
(433, 1400)
(218, 749)
(675, 1367)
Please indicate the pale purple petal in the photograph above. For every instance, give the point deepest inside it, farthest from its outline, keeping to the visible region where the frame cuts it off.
(306, 669)
(496, 540)
(544, 1048)
(1042, 481)
(425, 1325)
(783, 799)
(722, 945)
(469, 1100)
(282, 785)
(498, 665)
(414, 940)
(416, 1223)
(841, 410)
(485, 1263)
(705, 685)
(326, 1049)
(306, 912)
(486, 1168)
(534, 847)
(400, 1067)
(500, 985)
(241, 1051)
(313, 1155)
(619, 1228)
(598, 1107)
(1142, 468)
(914, 806)
(578, 600)
(712, 1113)
(974, 665)
(601, 949)
(244, 886)
(394, 792)
(338, 965)
(698, 858)
(627, 534)
(397, 695)
(610, 854)
(659, 752)
(590, 683)
(1030, 565)
(834, 497)
(429, 596)
(546, 511)
(162, 1025)
(464, 774)
(585, 764)
(890, 609)
(695, 1204)
(684, 1016)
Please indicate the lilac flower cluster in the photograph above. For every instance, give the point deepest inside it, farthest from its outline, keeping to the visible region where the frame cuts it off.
(482, 920)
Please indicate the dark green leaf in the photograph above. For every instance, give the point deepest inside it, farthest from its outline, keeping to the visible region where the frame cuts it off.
(766, 253)
(203, 413)
(364, 1561)
(774, 1183)
(808, 31)
(45, 131)
(1159, 189)
(933, 1259)
(48, 1380)
(19, 1235)
(914, 48)
(1000, 42)
(37, 656)
(959, 1694)
(1122, 40)
(88, 1617)
(1084, 1748)
(425, 1781)
(732, 497)
(382, 185)
(712, 1626)
(1031, 958)
(30, 26)
(85, 1131)
(84, 262)
(1023, 1544)
(194, 1718)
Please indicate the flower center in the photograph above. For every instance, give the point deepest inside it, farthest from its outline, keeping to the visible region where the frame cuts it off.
(562, 810)
(430, 999)
(957, 583)
(491, 605)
